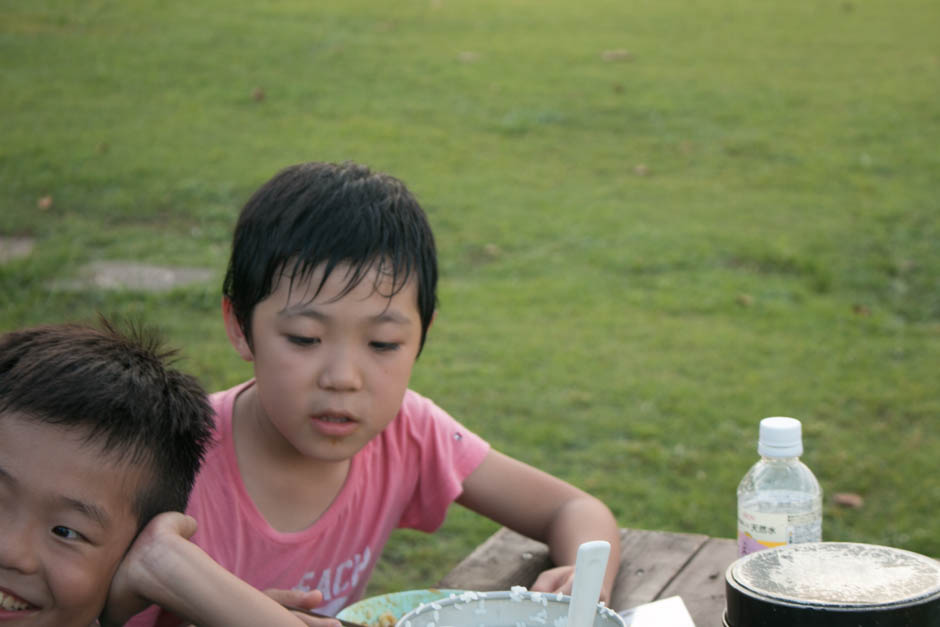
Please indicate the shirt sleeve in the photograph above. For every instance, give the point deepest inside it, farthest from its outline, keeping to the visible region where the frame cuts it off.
(447, 453)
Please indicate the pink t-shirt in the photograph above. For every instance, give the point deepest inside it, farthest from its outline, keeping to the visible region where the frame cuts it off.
(407, 476)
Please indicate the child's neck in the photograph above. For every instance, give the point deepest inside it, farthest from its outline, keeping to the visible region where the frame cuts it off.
(276, 476)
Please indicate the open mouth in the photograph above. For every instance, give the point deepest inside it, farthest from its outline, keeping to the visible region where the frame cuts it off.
(335, 424)
(336, 416)
(12, 603)
(336, 419)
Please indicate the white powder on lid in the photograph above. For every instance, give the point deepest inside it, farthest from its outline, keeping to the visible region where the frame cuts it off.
(841, 574)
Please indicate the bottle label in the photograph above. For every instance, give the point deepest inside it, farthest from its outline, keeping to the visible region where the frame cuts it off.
(758, 531)
(763, 530)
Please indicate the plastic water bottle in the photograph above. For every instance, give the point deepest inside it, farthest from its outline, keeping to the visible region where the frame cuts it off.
(779, 499)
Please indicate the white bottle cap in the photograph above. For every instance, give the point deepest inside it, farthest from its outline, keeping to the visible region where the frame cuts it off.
(780, 437)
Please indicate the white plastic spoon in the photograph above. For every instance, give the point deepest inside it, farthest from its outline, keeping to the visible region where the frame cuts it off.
(589, 568)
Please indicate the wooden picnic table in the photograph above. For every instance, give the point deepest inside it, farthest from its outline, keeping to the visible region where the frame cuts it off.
(653, 565)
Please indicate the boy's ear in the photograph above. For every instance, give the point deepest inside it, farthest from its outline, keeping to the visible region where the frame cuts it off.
(234, 331)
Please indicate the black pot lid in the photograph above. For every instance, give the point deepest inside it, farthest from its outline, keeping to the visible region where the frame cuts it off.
(838, 575)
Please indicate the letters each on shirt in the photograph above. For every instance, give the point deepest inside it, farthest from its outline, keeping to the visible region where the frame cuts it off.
(336, 582)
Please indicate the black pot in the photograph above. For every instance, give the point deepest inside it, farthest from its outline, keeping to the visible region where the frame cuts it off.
(833, 584)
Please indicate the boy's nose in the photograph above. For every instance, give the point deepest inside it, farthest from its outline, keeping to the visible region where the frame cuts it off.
(18, 547)
(341, 373)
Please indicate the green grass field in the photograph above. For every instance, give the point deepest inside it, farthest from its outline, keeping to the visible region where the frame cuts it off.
(658, 222)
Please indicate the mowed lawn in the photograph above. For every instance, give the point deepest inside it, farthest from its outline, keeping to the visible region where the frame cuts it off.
(658, 222)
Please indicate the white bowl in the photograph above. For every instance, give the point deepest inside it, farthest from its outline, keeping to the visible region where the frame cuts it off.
(504, 608)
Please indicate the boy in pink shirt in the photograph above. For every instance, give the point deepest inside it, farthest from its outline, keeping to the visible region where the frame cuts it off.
(330, 292)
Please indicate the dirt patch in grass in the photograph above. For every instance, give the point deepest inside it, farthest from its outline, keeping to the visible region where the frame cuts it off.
(15, 248)
(126, 275)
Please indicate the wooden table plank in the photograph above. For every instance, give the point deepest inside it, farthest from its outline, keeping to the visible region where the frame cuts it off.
(505, 559)
(653, 565)
(649, 561)
(701, 584)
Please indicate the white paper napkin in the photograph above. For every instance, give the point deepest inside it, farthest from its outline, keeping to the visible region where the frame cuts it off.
(668, 612)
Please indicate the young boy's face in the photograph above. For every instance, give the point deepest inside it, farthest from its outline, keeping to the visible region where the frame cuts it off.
(66, 520)
(331, 372)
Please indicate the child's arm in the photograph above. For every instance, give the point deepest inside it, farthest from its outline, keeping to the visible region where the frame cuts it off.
(165, 568)
(544, 508)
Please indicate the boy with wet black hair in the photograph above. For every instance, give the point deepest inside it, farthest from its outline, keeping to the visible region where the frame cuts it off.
(330, 292)
(100, 442)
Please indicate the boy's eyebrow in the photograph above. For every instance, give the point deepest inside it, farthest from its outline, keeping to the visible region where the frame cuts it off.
(387, 315)
(392, 315)
(88, 510)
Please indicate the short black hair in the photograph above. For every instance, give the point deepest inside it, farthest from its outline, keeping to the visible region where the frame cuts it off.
(314, 214)
(119, 391)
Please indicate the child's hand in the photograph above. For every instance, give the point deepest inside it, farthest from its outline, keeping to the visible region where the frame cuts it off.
(555, 580)
(303, 600)
(125, 597)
